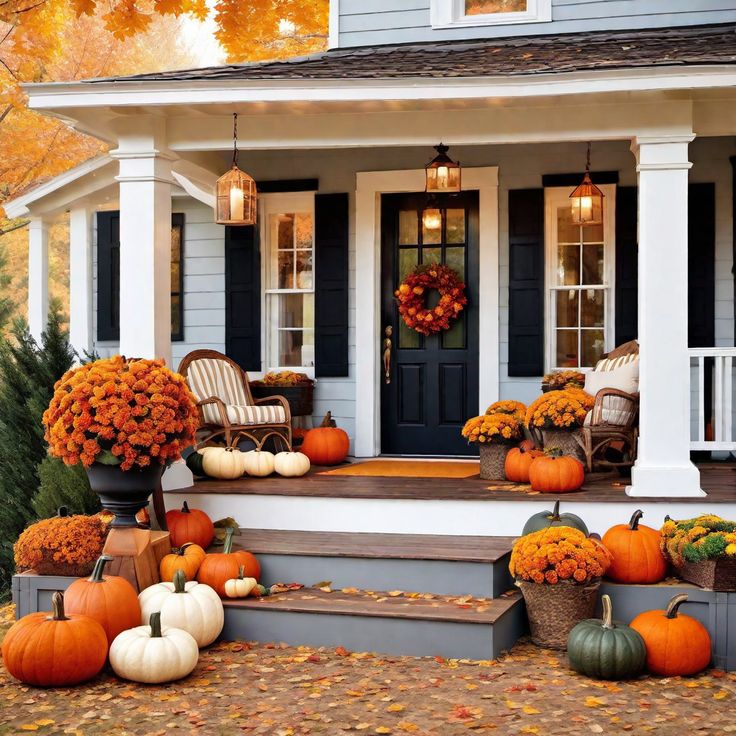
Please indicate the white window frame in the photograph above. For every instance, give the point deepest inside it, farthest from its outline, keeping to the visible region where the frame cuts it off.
(554, 197)
(273, 204)
(451, 14)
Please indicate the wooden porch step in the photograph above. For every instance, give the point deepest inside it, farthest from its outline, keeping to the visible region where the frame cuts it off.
(363, 621)
(448, 565)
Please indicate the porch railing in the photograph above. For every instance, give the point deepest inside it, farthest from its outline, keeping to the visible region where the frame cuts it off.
(712, 392)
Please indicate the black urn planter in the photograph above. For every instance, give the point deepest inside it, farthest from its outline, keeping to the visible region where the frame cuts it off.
(124, 492)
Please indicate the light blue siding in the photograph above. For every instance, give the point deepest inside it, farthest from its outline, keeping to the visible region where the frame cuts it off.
(371, 22)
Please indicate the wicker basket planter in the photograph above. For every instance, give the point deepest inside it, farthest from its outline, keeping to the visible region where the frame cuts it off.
(300, 398)
(554, 610)
(718, 575)
(492, 461)
(569, 441)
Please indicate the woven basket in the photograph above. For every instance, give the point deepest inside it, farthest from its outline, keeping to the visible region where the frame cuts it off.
(492, 461)
(554, 610)
(65, 569)
(569, 441)
(718, 575)
(300, 398)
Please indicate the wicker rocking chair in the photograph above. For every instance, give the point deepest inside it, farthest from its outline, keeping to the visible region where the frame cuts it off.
(227, 409)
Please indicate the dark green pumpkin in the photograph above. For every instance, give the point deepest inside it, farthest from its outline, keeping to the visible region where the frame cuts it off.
(606, 649)
(553, 518)
(194, 463)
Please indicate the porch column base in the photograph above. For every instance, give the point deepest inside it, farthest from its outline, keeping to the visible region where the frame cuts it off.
(672, 480)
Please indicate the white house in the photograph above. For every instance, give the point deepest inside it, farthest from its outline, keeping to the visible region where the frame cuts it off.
(338, 143)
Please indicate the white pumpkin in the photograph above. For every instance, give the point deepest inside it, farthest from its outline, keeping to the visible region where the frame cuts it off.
(225, 463)
(291, 464)
(191, 606)
(258, 463)
(153, 654)
(239, 587)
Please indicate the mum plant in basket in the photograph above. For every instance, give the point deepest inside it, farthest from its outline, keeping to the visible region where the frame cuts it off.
(508, 406)
(495, 434)
(558, 570)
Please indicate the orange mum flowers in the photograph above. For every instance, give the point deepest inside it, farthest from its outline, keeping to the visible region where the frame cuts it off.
(558, 553)
(559, 409)
(118, 411)
(508, 406)
(495, 428)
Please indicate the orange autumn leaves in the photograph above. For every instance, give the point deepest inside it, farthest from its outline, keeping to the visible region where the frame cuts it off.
(127, 412)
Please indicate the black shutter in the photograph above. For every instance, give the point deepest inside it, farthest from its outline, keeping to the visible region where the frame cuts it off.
(108, 276)
(701, 233)
(526, 282)
(627, 264)
(331, 223)
(243, 297)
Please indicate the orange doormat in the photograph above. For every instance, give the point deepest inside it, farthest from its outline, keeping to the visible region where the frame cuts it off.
(408, 469)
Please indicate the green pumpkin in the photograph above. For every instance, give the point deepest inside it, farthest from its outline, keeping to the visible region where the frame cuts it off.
(554, 518)
(194, 463)
(606, 649)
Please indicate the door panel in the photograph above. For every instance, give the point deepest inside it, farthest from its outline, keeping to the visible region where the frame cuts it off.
(433, 384)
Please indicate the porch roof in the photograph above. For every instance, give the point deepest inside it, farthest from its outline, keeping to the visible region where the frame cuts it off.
(505, 57)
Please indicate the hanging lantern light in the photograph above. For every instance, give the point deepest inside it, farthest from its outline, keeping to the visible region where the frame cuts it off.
(237, 199)
(442, 173)
(587, 200)
(432, 215)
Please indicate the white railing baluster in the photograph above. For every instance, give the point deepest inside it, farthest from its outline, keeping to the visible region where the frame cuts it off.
(701, 398)
(726, 414)
(718, 400)
(722, 409)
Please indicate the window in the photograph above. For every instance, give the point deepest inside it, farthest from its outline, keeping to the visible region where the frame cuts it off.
(452, 13)
(287, 229)
(580, 274)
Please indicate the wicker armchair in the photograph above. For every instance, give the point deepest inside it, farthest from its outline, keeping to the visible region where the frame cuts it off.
(227, 409)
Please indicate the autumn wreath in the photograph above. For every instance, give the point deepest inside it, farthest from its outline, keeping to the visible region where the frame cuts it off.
(412, 298)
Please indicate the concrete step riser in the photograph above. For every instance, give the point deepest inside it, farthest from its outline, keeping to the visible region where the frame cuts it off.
(377, 634)
(444, 577)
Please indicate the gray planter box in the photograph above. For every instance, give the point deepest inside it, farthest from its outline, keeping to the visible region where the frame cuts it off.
(32, 593)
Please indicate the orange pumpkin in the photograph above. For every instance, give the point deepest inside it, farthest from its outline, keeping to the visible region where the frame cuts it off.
(518, 461)
(636, 553)
(676, 644)
(190, 525)
(527, 445)
(219, 567)
(56, 649)
(326, 444)
(109, 599)
(187, 558)
(556, 473)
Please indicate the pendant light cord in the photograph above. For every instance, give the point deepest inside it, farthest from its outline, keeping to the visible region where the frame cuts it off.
(587, 164)
(235, 139)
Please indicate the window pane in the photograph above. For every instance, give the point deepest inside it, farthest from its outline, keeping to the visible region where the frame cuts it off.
(593, 346)
(175, 275)
(592, 307)
(290, 347)
(567, 230)
(304, 278)
(304, 230)
(567, 349)
(455, 259)
(455, 336)
(432, 235)
(285, 231)
(455, 226)
(176, 314)
(480, 7)
(431, 255)
(408, 338)
(567, 308)
(568, 265)
(408, 227)
(592, 264)
(407, 261)
(593, 233)
(285, 269)
(292, 308)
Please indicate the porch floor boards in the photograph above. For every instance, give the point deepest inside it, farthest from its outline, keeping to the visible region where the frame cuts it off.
(717, 480)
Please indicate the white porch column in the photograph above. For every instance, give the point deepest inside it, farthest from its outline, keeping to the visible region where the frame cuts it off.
(38, 276)
(145, 244)
(80, 280)
(663, 466)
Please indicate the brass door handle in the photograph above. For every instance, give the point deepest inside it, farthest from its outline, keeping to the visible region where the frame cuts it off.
(387, 344)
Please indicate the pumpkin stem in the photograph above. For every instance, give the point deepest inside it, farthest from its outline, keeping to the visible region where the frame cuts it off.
(634, 523)
(57, 607)
(555, 511)
(185, 508)
(96, 576)
(241, 572)
(62, 512)
(228, 545)
(673, 606)
(328, 421)
(180, 581)
(607, 612)
(183, 548)
(155, 624)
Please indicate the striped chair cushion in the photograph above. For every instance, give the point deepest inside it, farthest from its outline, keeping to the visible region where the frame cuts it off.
(610, 364)
(267, 414)
(210, 377)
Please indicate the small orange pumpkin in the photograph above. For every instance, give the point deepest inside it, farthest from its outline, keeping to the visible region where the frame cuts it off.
(190, 525)
(219, 567)
(109, 599)
(556, 473)
(326, 444)
(637, 557)
(518, 461)
(187, 558)
(676, 644)
(527, 445)
(55, 650)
